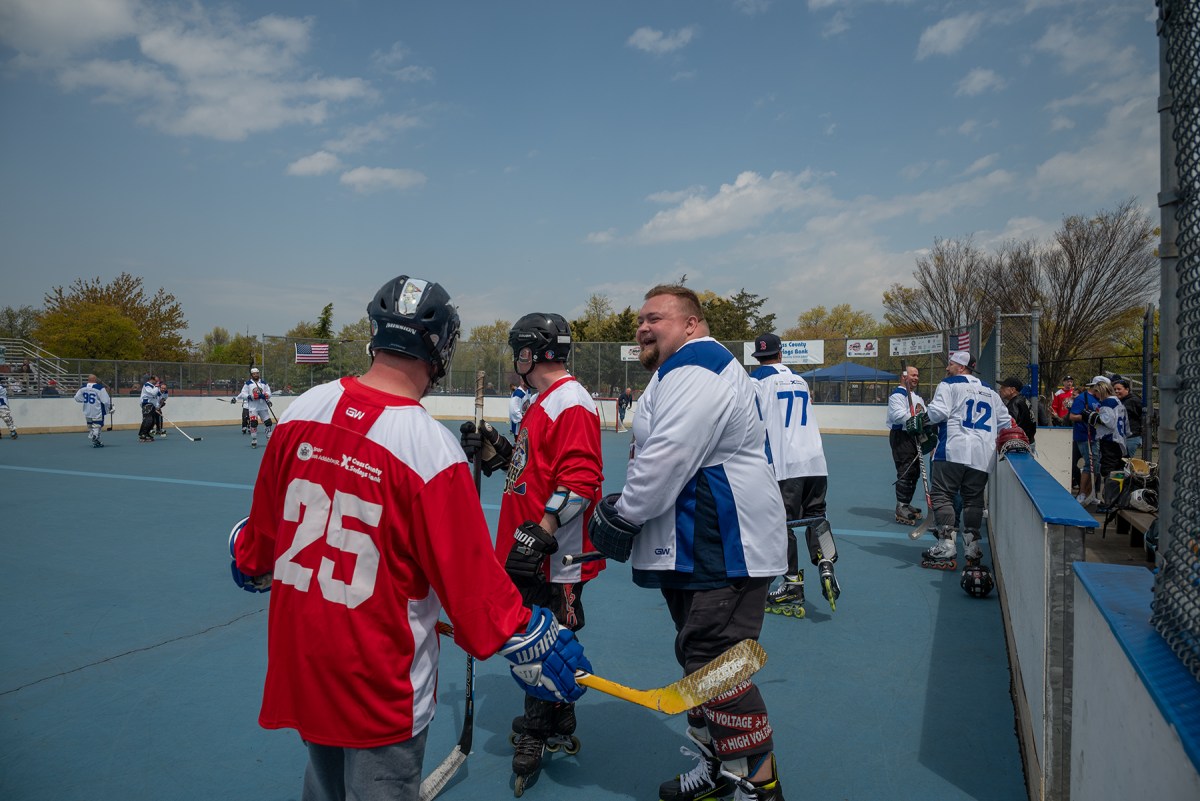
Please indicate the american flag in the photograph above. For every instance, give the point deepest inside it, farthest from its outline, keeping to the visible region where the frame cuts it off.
(312, 354)
(962, 340)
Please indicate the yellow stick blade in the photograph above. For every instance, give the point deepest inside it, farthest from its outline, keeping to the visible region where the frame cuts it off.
(722, 674)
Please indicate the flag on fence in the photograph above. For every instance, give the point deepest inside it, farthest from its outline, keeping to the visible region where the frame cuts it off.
(962, 340)
(312, 354)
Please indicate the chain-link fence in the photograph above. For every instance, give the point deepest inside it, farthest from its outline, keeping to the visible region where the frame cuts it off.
(1176, 605)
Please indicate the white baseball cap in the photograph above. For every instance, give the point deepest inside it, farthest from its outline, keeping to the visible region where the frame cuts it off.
(961, 357)
(1099, 379)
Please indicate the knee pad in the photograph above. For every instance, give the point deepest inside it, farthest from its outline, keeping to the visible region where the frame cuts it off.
(253, 421)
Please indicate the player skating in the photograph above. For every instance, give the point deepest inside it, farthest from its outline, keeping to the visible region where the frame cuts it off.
(797, 456)
(969, 416)
(367, 549)
(699, 479)
(554, 472)
(903, 404)
(96, 404)
(5, 413)
(256, 398)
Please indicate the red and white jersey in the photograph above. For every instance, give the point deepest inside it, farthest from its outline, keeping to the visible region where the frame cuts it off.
(558, 444)
(367, 514)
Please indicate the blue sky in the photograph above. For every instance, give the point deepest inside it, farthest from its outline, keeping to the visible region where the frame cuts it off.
(261, 159)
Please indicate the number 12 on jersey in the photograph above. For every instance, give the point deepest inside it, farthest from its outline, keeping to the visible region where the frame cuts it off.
(790, 397)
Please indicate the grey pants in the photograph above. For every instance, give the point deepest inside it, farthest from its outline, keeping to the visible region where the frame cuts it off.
(948, 479)
(387, 773)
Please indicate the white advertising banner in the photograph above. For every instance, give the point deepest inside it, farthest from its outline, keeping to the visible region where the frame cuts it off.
(629, 353)
(860, 348)
(916, 346)
(795, 351)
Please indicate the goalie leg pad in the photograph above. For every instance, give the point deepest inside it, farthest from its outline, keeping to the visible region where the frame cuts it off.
(565, 505)
(820, 542)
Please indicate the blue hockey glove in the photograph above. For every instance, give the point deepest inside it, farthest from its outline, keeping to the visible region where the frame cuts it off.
(545, 657)
(248, 583)
(612, 534)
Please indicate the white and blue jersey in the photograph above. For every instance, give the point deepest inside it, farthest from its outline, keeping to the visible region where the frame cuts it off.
(968, 415)
(698, 480)
(3, 394)
(794, 447)
(150, 394)
(1113, 425)
(517, 405)
(96, 401)
(901, 406)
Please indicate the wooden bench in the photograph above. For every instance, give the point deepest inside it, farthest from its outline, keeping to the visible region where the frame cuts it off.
(1135, 523)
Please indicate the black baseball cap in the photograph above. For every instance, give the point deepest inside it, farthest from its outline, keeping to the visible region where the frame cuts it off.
(766, 346)
(1015, 383)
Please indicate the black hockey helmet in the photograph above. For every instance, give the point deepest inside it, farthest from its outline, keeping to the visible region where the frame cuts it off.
(547, 335)
(977, 581)
(415, 318)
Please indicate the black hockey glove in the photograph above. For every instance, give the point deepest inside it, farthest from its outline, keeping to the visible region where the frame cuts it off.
(1092, 418)
(928, 439)
(531, 545)
(611, 534)
(494, 450)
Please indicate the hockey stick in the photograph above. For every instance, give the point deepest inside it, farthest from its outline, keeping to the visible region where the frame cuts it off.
(181, 431)
(580, 558)
(719, 676)
(111, 411)
(437, 780)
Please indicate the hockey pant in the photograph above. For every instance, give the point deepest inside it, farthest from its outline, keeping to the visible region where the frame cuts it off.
(6, 416)
(565, 601)
(908, 469)
(245, 417)
(148, 415)
(708, 623)
(949, 479)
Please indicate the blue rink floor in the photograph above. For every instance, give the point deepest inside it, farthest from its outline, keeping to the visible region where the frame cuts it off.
(131, 668)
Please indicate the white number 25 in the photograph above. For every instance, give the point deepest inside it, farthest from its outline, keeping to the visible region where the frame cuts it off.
(325, 519)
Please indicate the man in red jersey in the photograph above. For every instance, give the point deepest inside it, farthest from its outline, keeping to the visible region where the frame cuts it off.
(554, 472)
(365, 523)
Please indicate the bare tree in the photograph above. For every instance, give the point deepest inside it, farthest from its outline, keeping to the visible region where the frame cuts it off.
(1100, 273)
(950, 293)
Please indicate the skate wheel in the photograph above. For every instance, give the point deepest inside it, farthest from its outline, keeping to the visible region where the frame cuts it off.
(512, 738)
(572, 747)
(553, 746)
(800, 612)
(519, 785)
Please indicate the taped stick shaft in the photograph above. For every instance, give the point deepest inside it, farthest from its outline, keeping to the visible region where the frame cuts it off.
(580, 558)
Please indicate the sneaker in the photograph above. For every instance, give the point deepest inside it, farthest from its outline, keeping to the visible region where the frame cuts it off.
(703, 781)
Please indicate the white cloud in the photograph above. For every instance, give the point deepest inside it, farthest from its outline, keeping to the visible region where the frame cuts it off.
(752, 7)
(381, 129)
(198, 73)
(838, 23)
(1094, 50)
(981, 164)
(1061, 122)
(742, 204)
(949, 36)
(317, 163)
(365, 180)
(676, 196)
(601, 237)
(47, 31)
(654, 41)
(392, 62)
(978, 81)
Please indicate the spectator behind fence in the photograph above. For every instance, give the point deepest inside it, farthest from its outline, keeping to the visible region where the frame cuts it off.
(1084, 449)
(1018, 406)
(1133, 409)
(1060, 404)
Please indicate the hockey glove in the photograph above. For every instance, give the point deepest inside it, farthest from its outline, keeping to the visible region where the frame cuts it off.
(545, 657)
(233, 400)
(248, 583)
(1092, 418)
(915, 425)
(532, 544)
(470, 440)
(928, 439)
(495, 451)
(612, 534)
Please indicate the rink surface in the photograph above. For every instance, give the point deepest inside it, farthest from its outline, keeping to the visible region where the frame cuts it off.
(132, 668)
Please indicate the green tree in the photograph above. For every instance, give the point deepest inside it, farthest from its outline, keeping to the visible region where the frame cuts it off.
(736, 318)
(353, 340)
(485, 348)
(159, 318)
(324, 327)
(90, 331)
(18, 322)
(840, 322)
